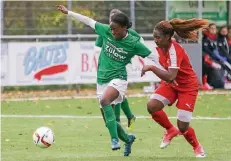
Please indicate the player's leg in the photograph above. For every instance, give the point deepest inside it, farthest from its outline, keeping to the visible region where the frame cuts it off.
(128, 113)
(121, 86)
(121, 133)
(100, 90)
(128, 139)
(101, 110)
(185, 105)
(109, 95)
(163, 96)
(117, 111)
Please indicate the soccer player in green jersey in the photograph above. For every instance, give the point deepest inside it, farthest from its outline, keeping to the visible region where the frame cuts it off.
(124, 105)
(118, 48)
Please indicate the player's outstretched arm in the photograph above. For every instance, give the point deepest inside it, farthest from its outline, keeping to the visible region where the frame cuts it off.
(168, 76)
(86, 20)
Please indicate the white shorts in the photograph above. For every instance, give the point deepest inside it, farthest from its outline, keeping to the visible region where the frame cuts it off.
(119, 84)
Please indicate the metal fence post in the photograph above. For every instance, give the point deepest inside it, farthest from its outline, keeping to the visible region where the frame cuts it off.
(69, 29)
(2, 18)
(132, 13)
(69, 22)
(2, 27)
(229, 12)
(166, 10)
(200, 15)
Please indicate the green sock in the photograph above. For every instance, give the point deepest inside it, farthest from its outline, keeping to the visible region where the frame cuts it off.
(121, 133)
(117, 112)
(126, 109)
(110, 121)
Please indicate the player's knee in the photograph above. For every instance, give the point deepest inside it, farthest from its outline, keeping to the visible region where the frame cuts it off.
(153, 106)
(104, 102)
(183, 127)
(149, 107)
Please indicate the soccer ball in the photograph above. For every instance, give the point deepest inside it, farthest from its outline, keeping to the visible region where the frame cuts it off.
(43, 137)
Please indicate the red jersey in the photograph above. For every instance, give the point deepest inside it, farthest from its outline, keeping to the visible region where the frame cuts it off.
(177, 58)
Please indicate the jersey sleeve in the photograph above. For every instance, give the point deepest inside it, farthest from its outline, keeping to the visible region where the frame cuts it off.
(153, 59)
(133, 33)
(176, 56)
(88, 21)
(101, 29)
(142, 50)
(141, 40)
(99, 41)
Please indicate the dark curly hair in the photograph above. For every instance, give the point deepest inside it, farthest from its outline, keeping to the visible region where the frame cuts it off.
(121, 19)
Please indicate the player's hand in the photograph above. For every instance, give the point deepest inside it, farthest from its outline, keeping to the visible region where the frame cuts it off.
(174, 83)
(62, 9)
(145, 69)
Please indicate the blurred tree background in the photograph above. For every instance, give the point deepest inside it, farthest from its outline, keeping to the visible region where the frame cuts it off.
(42, 18)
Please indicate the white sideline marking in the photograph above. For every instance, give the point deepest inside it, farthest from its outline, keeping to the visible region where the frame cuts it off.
(94, 96)
(62, 98)
(99, 117)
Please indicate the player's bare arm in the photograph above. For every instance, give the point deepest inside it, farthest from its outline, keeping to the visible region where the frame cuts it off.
(168, 76)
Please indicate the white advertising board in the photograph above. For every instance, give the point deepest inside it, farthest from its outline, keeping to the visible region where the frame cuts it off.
(47, 63)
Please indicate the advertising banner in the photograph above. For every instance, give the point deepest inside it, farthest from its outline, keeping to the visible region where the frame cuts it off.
(46, 63)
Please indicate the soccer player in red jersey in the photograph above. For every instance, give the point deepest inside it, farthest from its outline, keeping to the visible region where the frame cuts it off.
(179, 81)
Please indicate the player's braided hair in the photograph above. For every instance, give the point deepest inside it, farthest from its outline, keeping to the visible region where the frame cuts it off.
(186, 29)
(122, 19)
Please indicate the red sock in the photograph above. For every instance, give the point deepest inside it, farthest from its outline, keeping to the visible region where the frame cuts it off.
(161, 118)
(204, 79)
(190, 136)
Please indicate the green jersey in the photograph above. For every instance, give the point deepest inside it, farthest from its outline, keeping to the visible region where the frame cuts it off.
(116, 54)
(99, 40)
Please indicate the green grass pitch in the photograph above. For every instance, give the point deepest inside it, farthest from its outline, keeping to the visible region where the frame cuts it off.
(87, 139)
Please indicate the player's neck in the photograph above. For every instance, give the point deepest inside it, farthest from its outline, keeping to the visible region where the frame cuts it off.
(125, 34)
(166, 48)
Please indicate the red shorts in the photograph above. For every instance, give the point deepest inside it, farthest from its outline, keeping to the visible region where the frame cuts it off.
(168, 96)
